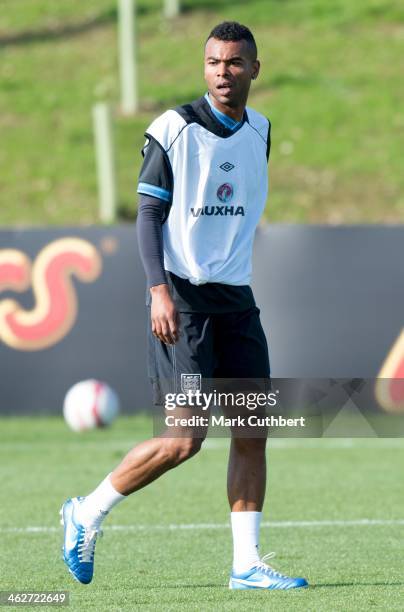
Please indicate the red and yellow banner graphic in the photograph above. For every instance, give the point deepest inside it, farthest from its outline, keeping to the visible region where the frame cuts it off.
(390, 383)
(50, 277)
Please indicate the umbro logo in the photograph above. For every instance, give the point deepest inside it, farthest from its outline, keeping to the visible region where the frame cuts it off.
(227, 166)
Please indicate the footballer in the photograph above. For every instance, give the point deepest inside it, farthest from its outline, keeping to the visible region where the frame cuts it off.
(203, 187)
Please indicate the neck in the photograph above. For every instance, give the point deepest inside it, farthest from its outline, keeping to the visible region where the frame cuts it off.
(234, 112)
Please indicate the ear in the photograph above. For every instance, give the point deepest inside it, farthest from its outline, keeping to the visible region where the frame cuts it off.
(256, 69)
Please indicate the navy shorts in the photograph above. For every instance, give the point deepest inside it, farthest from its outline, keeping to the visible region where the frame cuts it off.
(210, 346)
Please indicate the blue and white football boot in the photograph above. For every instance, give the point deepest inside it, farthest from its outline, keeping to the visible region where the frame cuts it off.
(79, 541)
(263, 576)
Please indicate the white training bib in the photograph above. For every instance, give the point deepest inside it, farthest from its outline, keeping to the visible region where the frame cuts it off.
(220, 187)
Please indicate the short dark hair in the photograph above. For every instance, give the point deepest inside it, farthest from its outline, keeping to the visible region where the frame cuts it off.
(233, 31)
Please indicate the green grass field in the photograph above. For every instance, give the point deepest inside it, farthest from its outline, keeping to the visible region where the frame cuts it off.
(331, 83)
(171, 548)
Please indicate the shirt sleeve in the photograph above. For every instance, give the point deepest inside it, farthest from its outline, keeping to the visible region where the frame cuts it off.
(151, 214)
(156, 177)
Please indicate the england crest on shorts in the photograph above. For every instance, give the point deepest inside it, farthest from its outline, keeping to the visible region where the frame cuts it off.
(190, 382)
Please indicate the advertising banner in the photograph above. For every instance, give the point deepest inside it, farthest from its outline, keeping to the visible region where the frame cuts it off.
(72, 307)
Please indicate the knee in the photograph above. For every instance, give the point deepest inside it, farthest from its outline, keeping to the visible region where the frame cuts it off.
(178, 450)
(185, 448)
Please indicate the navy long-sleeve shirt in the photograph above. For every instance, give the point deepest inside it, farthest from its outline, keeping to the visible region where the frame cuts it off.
(151, 213)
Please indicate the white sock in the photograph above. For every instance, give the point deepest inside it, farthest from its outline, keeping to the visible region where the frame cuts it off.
(99, 503)
(245, 527)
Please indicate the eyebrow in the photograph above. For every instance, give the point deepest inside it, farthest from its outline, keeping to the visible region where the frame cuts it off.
(235, 57)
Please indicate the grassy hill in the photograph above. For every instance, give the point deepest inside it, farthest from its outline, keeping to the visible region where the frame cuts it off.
(331, 82)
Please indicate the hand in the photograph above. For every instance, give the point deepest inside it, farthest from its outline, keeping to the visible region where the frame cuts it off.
(164, 316)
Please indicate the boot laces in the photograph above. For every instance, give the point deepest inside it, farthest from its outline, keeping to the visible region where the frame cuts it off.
(88, 539)
(268, 569)
(86, 546)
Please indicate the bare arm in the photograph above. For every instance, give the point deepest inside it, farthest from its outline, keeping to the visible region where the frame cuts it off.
(164, 316)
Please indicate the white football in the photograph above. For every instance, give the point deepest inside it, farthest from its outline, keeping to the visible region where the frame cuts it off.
(90, 404)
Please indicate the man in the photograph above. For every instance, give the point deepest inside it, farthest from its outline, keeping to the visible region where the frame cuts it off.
(203, 187)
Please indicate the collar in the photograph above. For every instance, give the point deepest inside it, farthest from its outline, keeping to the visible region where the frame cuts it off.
(227, 121)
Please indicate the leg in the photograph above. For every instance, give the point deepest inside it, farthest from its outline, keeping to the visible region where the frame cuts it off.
(152, 458)
(244, 338)
(243, 354)
(193, 353)
(246, 491)
(82, 517)
(246, 475)
(246, 480)
(142, 465)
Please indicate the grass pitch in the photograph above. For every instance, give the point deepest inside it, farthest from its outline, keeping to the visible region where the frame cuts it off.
(168, 547)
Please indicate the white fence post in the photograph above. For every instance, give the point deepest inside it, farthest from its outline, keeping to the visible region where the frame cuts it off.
(127, 56)
(105, 159)
(171, 8)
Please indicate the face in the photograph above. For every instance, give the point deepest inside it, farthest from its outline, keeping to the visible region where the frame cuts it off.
(229, 68)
